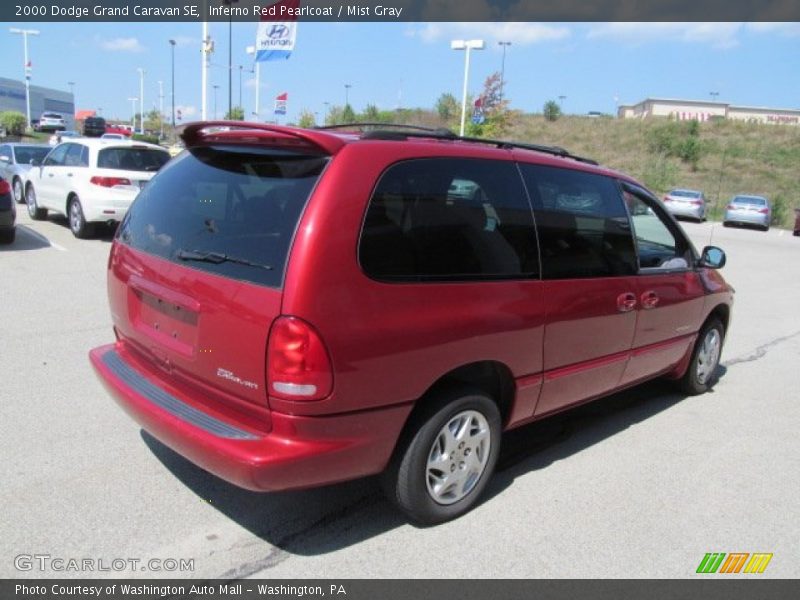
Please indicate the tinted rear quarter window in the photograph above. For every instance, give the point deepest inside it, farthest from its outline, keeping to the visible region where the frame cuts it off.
(446, 219)
(583, 225)
(244, 203)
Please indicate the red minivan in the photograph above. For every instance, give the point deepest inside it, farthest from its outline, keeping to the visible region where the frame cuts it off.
(294, 307)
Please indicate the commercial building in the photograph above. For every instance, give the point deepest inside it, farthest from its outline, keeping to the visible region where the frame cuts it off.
(702, 110)
(12, 97)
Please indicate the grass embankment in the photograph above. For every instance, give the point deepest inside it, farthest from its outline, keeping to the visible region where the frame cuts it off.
(733, 157)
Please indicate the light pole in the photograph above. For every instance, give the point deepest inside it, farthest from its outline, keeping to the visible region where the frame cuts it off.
(561, 102)
(216, 87)
(71, 85)
(503, 67)
(161, 109)
(141, 100)
(347, 87)
(133, 100)
(172, 46)
(714, 95)
(465, 45)
(25, 33)
(230, 57)
(241, 68)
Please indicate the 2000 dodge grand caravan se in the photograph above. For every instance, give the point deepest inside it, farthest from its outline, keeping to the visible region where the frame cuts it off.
(299, 307)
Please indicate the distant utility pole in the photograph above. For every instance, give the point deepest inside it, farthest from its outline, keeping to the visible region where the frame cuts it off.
(503, 68)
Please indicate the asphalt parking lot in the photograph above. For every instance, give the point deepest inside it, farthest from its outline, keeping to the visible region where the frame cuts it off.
(639, 485)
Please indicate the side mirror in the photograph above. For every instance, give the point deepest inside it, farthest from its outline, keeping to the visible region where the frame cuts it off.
(712, 257)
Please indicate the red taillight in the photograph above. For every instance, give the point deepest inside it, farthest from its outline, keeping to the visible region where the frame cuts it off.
(298, 366)
(763, 211)
(110, 181)
(667, 199)
(4, 187)
(731, 207)
(697, 202)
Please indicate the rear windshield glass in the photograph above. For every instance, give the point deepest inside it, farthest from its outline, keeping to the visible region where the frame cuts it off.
(25, 154)
(684, 194)
(752, 200)
(132, 159)
(226, 210)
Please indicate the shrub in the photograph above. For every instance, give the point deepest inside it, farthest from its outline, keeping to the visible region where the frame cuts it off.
(148, 139)
(552, 110)
(13, 122)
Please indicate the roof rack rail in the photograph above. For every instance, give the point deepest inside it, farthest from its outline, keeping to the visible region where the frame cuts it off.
(383, 126)
(446, 134)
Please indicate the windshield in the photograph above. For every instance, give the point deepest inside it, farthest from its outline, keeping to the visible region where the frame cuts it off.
(226, 210)
(24, 154)
(132, 159)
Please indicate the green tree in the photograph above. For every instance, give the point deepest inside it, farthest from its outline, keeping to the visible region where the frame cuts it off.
(371, 114)
(447, 107)
(348, 116)
(236, 113)
(13, 122)
(307, 119)
(552, 111)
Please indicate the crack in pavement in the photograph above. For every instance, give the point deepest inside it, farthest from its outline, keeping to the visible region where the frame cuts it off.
(761, 351)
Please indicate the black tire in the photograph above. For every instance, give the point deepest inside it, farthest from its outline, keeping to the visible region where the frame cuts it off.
(77, 222)
(410, 481)
(35, 213)
(726, 224)
(18, 190)
(701, 374)
(7, 236)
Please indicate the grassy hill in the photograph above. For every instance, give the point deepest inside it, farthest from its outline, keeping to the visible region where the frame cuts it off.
(734, 157)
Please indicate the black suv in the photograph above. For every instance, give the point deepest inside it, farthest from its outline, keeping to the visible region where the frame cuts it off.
(94, 126)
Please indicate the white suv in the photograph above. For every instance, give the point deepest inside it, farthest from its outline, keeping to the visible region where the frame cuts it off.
(91, 181)
(50, 121)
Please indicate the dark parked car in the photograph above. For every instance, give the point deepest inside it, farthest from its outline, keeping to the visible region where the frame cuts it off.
(94, 126)
(8, 213)
(296, 307)
(797, 221)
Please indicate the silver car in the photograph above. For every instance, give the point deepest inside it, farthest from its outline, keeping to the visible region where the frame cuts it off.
(686, 203)
(748, 210)
(15, 161)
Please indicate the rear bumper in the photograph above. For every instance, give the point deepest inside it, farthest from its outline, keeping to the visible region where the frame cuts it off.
(298, 452)
(747, 217)
(693, 211)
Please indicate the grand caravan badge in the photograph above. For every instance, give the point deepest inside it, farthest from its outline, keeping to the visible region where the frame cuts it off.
(230, 376)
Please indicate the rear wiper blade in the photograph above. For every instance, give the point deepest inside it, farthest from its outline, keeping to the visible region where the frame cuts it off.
(217, 258)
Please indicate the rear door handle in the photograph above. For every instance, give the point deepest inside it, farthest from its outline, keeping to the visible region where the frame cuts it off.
(626, 302)
(650, 299)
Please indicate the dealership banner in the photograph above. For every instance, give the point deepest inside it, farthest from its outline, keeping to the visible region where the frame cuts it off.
(254, 11)
(280, 103)
(275, 38)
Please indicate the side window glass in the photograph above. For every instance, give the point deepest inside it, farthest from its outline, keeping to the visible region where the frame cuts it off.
(73, 157)
(6, 151)
(582, 223)
(84, 156)
(447, 219)
(56, 157)
(657, 246)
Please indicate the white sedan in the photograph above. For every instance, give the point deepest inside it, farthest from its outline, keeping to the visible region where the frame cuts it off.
(91, 181)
